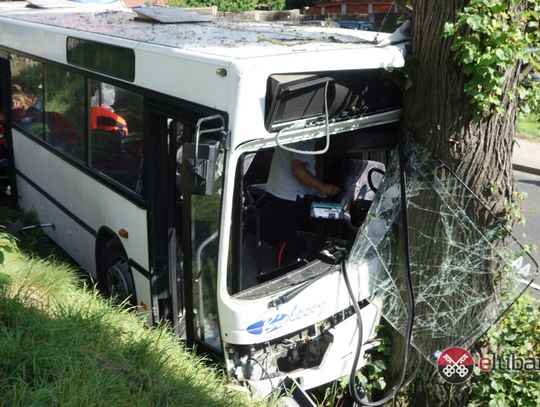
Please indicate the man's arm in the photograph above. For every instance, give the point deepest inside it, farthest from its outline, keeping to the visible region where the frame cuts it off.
(307, 178)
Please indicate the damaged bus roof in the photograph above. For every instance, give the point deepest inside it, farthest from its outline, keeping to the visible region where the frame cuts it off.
(217, 36)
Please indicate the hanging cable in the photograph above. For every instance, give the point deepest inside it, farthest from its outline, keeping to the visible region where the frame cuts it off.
(353, 389)
(381, 25)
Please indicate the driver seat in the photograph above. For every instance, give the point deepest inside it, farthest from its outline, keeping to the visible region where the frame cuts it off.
(360, 184)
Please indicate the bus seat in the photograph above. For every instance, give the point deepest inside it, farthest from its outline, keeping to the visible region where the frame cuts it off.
(359, 186)
(60, 131)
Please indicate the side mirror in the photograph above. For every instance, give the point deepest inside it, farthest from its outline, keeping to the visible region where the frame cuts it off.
(202, 158)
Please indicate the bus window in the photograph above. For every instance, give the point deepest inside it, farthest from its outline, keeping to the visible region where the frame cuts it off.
(64, 111)
(116, 134)
(27, 95)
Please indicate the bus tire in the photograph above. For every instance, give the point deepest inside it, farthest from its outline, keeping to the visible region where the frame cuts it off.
(118, 280)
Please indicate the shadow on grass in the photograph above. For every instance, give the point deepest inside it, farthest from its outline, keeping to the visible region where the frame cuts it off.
(77, 358)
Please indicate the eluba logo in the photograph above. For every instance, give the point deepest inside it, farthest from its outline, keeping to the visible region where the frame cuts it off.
(455, 365)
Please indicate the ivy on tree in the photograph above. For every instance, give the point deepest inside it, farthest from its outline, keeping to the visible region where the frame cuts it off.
(490, 36)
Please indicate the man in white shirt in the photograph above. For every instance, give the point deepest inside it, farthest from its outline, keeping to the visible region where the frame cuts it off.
(291, 184)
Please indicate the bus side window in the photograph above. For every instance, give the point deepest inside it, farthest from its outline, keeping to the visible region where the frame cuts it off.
(64, 111)
(116, 136)
(27, 95)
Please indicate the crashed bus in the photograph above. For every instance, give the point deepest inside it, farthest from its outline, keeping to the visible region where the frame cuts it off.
(148, 148)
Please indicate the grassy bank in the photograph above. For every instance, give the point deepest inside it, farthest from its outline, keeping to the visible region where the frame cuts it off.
(62, 344)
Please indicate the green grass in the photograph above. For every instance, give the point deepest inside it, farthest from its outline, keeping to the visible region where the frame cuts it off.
(62, 344)
(528, 126)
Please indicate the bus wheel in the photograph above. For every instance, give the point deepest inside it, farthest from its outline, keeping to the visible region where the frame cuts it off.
(118, 278)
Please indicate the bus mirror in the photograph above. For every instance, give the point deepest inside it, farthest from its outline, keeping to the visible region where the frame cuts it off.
(203, 165)
(202, 157)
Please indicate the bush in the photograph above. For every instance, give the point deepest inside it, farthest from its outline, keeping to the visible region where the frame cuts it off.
(517, 334)
(275, 5)
(224, 5)
(230, 5)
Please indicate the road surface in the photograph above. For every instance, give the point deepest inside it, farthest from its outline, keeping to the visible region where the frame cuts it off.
(530, 232)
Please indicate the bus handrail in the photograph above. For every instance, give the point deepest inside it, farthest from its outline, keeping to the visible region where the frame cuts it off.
(198, 132)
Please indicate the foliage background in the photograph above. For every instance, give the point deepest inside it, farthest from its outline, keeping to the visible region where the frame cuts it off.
(231, 5)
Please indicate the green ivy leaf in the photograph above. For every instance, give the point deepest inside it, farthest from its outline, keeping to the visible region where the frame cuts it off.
(5, 279)
(379, 384)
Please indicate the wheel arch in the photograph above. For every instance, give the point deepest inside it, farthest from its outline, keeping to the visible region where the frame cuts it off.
(104, 236)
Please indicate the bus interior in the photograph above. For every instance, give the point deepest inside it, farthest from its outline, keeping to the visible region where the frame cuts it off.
(355, 162)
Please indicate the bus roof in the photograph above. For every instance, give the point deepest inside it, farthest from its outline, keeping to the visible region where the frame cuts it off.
(217, 37)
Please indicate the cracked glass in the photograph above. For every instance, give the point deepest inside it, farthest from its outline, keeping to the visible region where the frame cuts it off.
(466, 268)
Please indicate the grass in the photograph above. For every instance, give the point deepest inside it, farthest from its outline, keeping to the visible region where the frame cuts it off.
(62, 344)
(528, 127)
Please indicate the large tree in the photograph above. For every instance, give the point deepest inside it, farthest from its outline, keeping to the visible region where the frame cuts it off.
(466, 66)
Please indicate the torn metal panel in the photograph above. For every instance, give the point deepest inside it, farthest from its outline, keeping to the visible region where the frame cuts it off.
(466, 267)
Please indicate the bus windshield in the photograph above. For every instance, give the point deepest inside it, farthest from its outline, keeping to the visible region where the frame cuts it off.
(283, 227)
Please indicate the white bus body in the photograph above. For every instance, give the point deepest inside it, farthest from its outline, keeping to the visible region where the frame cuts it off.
(113, 227)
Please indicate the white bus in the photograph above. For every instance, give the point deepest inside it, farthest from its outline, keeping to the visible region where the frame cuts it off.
(148, 147)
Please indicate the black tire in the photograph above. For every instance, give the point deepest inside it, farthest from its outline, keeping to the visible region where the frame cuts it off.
(117, 277)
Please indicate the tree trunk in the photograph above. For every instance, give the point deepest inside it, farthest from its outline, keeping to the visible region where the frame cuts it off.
(440, 116)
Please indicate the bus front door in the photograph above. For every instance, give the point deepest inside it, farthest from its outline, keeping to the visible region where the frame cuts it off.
(184, 209)
(202, 181)
(165, 202)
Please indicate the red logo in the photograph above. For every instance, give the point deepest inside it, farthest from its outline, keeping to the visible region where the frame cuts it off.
(455, 365)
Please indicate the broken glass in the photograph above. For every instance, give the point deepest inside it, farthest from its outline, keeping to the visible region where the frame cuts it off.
(466, 268)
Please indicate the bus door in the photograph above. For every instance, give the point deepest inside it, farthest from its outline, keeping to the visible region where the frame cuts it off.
(165, 202)
(202, 182)
(184, 190)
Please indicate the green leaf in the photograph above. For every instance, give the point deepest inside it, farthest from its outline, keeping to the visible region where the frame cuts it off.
(500, 53)
(379, 384)
(449, 29)
(4, 279)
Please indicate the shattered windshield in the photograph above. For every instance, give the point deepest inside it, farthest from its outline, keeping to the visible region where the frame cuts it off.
(466, 268)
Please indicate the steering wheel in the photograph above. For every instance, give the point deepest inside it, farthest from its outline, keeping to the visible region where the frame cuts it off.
(370, 181)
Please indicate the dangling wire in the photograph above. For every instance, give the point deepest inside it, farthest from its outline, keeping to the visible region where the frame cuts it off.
(353, 390)
(386, 16)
